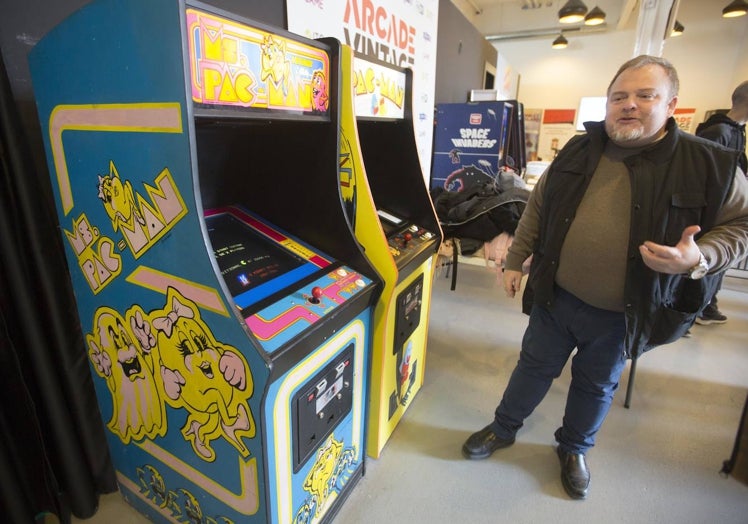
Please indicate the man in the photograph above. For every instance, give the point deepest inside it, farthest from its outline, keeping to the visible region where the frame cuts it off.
(623, 228)
(728, 130)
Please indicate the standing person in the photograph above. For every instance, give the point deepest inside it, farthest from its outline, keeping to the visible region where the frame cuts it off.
(626, 229)
(729, 130)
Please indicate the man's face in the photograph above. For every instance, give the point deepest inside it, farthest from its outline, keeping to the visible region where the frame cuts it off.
(638, 106)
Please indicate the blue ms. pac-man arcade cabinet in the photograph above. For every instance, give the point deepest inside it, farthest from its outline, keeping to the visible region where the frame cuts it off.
(225, 301)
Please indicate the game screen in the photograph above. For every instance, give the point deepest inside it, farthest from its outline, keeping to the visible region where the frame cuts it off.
(390, 223)
(246, 258)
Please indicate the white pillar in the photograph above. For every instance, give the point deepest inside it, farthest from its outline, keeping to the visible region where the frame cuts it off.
(653, 24)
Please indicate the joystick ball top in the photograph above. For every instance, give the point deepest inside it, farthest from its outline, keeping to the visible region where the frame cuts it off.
(317, 292)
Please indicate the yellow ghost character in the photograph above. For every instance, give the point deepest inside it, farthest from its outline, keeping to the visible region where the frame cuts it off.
(137, 408)
(212, 381)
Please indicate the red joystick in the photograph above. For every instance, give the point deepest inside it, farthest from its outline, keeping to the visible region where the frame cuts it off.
(316, 294)
(407, 237)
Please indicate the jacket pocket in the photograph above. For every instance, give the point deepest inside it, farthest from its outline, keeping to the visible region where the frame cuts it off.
(669, 326)
(685, 210)
(683, 299)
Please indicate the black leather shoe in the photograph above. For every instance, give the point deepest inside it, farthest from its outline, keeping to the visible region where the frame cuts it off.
(574, 474)
(482, 443)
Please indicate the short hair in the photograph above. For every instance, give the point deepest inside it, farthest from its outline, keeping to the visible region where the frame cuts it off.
(645, 60)
(740, 95)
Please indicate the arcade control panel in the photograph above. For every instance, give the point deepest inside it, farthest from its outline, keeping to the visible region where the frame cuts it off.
(405, 239)
(281, 286)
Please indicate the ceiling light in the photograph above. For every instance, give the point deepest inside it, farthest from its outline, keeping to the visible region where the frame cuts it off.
(560, 42)
(595, 17)
(573, 11)
(677, 29)
(735, 8)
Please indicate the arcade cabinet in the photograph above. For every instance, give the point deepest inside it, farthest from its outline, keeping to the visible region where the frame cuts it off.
(392, 215)
(226, 304)
(517, 146)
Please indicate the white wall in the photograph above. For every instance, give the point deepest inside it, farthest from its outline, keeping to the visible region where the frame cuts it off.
(711, 58)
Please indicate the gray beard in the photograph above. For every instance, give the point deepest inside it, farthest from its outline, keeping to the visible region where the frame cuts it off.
(626, 136)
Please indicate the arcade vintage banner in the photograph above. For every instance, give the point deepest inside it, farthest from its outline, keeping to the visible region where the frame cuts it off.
(398, 32)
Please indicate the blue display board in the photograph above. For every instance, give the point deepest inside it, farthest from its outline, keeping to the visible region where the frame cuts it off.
(470, 143)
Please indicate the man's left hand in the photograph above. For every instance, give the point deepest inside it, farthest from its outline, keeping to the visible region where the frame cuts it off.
(672, 259)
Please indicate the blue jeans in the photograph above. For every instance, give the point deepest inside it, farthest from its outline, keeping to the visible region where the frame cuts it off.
(551, 336)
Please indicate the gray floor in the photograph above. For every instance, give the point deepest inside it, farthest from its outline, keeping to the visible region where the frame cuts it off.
(656, 462)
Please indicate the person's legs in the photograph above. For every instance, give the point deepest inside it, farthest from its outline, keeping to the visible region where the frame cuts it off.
(595, 370)
(551, 336)
(546, 347)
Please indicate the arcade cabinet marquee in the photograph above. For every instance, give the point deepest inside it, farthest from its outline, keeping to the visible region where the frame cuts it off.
(225, 302)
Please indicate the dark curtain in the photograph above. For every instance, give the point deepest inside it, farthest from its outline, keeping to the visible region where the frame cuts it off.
(54, 458)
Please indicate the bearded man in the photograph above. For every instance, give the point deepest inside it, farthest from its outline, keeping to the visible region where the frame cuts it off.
(628, 230)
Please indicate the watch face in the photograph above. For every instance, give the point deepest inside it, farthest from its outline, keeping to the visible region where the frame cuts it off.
(698, 273)
(700, 269)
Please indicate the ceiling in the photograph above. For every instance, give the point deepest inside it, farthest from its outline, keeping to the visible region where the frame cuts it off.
(515, 19)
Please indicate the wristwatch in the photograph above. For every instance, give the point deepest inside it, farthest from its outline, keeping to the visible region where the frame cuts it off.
(699, 270)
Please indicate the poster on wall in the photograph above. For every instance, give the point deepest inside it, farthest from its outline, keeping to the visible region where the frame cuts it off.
(507, 79)
(533, 117)
(684, 117)
(557, 129)
(401, 33)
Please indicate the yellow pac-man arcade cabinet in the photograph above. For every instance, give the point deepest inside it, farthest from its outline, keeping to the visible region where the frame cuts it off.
(225, 301)
(391, 212)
